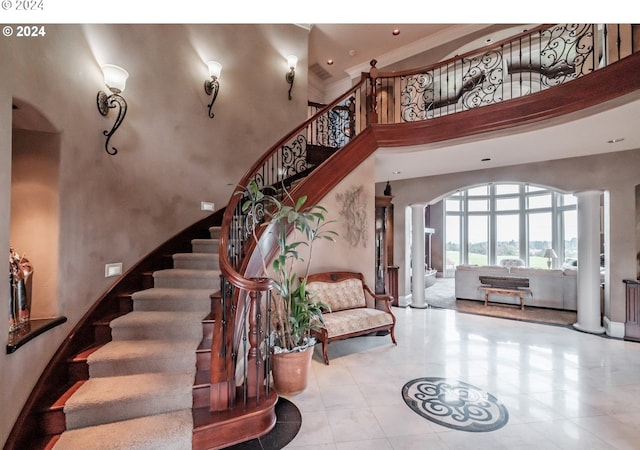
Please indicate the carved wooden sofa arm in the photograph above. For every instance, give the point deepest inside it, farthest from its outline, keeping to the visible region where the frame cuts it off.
(350, 314)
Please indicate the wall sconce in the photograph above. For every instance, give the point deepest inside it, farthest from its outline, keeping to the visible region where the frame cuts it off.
(292, 61)
(115, 78)
(212, 87)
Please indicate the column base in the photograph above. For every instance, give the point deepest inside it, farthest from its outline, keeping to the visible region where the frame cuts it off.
(425, 306)
(594, 330)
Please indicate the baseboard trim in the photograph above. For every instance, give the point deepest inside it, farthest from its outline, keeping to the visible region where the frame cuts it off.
(613, 329)
(404, 300)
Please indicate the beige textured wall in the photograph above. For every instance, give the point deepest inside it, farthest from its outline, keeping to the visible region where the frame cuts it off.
(616, 173)
(171, 154)
(355, 255)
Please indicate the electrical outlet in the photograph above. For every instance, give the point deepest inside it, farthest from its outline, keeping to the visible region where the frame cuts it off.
(207, 206)
(112, 270)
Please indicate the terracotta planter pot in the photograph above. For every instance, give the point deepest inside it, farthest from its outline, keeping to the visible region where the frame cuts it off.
(291, 370)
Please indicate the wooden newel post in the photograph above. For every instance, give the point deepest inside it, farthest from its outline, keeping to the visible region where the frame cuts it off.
(373, 96)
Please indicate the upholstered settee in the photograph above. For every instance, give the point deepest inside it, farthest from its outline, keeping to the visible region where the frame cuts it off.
(549, 288)
(354, 309)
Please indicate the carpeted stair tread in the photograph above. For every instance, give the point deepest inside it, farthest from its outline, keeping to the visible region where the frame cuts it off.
(187, 278)
(172, 299)
(196, 261)
(205, 245)
(111, 399)
(118, 358)
(157, 325)
(168, 431)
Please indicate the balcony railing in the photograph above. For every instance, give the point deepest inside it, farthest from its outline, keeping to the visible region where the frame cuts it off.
(531, 62)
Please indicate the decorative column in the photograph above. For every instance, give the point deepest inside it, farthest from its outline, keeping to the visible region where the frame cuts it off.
(417, 257)
(588, 279)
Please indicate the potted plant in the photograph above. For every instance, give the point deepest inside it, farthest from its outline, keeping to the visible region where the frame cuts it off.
(295, 226)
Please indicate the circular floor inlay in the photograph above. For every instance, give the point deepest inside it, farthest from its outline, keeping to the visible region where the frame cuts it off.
(455, 404)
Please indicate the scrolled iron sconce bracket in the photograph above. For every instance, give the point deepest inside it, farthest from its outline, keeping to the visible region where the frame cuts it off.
(292, 61)
(211, 88)
(290, 76)
(105, 103)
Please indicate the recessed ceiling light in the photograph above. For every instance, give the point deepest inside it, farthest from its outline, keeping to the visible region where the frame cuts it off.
(613, 141)
(395, 32)
(488, 41)
(396, 172)
(485, 159)
(352, 53)
(329, 62)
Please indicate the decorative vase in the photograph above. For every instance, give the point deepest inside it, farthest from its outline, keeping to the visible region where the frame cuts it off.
(291, 371)
(24, 302)
(13, 305)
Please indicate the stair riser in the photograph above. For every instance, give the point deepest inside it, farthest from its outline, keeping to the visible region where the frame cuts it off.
(207, 330)
(138, 333)
(203, 360)
(172, 305)
(201, 396)
(78, 371)
(178, 282)
(205, 246)
(212, 263)
(136, 408)
(53, 422)
(102, 333)
(141, 365)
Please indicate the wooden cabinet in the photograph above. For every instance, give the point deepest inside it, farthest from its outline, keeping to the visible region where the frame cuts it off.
(386, 274)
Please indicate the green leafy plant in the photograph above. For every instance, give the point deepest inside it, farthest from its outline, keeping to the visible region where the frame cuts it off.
(296, 226)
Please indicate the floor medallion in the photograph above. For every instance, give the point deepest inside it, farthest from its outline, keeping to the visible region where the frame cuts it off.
(455, 404)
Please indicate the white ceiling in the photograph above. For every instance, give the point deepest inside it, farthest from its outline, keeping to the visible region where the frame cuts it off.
(353, 46)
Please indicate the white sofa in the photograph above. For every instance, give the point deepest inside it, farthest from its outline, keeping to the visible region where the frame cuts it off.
(554, 288)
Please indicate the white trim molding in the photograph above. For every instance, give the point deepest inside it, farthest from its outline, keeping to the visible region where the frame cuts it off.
(613, 329)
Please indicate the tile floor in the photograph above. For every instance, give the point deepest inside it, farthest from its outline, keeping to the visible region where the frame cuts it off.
(563, 389)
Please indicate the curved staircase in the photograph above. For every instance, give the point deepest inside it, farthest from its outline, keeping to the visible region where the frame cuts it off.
(139, 394)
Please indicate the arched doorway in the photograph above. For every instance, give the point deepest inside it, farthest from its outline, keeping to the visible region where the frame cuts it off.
(494, 226)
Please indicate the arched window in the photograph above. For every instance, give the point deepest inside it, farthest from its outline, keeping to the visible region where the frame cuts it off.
(489, 223)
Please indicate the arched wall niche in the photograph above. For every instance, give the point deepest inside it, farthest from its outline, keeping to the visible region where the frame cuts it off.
(35, 217)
